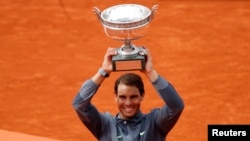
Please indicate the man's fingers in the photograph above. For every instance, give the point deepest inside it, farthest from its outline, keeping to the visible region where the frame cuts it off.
(111, 51)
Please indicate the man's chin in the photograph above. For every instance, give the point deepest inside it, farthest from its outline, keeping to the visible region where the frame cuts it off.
(128, 115)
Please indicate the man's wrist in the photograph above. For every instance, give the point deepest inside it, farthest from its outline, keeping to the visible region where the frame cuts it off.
(152, 75)
(103, 72)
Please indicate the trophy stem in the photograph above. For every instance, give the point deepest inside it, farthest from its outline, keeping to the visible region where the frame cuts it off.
(128, 47)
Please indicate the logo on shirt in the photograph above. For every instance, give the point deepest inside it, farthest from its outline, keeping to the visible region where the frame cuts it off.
(142, 133)
(118, 137)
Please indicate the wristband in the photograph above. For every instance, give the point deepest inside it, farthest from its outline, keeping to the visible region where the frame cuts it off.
(103, 73)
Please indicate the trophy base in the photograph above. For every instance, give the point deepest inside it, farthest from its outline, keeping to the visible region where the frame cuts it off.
(121, 63)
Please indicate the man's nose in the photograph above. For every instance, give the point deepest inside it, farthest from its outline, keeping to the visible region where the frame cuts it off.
(128, 101)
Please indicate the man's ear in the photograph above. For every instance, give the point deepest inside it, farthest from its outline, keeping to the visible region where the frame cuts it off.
(142, 97)
(115, 97)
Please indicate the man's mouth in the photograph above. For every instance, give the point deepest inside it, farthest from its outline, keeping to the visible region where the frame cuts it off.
(128, 109)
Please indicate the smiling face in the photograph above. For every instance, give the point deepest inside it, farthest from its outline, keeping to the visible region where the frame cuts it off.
(128, 99)
(129, 92)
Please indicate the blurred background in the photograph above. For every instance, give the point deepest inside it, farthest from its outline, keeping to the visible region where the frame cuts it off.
(50, 47)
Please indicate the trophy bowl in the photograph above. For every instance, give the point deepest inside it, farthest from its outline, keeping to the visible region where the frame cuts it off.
(125, 21)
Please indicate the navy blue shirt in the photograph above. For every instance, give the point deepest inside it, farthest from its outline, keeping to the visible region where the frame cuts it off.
(153, 126)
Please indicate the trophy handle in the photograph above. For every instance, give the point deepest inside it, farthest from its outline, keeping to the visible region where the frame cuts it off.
(97, 12)
(153, 12)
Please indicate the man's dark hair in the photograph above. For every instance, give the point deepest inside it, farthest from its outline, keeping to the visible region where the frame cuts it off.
(130, 79)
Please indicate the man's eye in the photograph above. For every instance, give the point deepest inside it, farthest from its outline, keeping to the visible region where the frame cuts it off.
(134, 97)
(122, 97)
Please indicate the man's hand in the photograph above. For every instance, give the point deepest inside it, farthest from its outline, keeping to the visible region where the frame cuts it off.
(107, 60)
(149, 71)
(149, 63)
(106, 66)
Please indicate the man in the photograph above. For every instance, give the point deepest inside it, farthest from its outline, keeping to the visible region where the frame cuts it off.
(130, 124)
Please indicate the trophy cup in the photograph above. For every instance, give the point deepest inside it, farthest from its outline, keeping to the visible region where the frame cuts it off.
(127, 22)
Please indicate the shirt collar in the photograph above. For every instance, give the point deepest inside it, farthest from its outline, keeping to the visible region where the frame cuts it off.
(135, 119)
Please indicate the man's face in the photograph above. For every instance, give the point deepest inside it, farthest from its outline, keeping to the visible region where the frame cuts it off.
(128, 99)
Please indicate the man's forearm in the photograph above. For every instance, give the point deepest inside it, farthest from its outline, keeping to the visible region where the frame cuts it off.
(152, 75)
(98, 78)
(168, 93)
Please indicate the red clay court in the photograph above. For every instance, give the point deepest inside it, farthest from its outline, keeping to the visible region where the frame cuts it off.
(49, 47)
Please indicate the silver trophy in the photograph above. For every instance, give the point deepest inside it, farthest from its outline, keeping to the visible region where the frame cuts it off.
(127, 22)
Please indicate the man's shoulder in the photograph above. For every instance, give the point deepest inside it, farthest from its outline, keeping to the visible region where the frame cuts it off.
(108, 116)
(153, 113)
